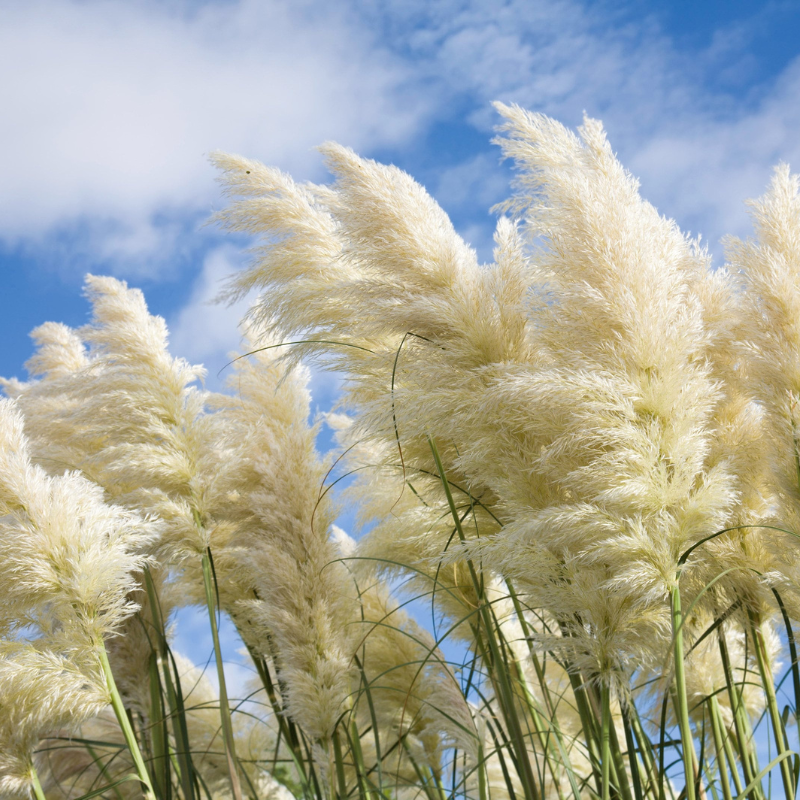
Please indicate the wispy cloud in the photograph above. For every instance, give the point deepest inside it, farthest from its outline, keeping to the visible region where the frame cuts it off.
(700, 133)
(702, 168)
(113, 106)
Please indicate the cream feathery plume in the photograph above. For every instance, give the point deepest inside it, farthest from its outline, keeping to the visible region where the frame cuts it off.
(281, 569)
(372, 266)
(768, 268)
(46, 400)
(126, 413)
(60, 352)
(407, 697)
(64, 550)
(144, 407)
(624, 417)
(414, 532)
(63, 437)
(370, 274)
(41, 692)
(496, 780)
(132, 417)
(67, 562)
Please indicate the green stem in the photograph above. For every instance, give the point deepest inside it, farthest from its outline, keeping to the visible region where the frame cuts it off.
(732, 765)
(750, 744)
(618, 764)
(506, 694)
(103, 770)
(719, 745)
(526, 632)
(37, 786)
(285, 725)
(645, 749)
(185, 767)
(605, 740)
(682, 700)
(792, 654)
(124, 722)
(425, 781)
(740, 723)
(224, 707)
(548, 701)
(311, 769)
(482, 783)
(374, 719)
(619, 777)
(588, 725)
(542, 729)
(509, 705)
(633, 758)
(440, 786)
(358, 761)
(765, 668)
(158, 727)
(498, 749)
(337, 754)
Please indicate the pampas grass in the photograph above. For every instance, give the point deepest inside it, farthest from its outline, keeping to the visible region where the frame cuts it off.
(578, 467)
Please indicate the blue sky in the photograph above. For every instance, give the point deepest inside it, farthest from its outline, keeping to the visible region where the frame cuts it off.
(111, 107)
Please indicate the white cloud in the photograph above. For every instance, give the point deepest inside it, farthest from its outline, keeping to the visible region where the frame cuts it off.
(113, 105)
(559, 57)
(703, 169)
(203, 331)
(109, 107)
(699, 150)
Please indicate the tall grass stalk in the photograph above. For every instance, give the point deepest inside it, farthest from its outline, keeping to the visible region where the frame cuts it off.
(687, 740)
(209, 584)
(743, 735)
(36, 784)
(719, 734)
(768, 685)
(124, 723)
(496, 664)
(171, 693)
